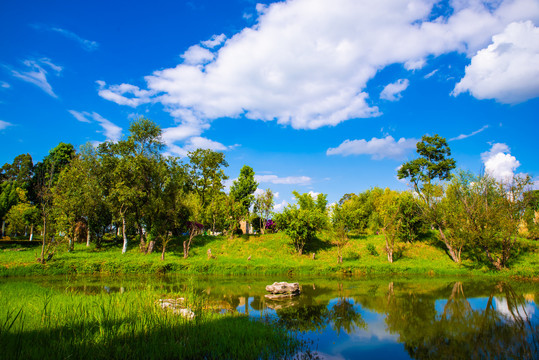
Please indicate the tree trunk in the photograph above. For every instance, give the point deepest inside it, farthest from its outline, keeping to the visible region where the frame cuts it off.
(88, 233)
(164, 250)
(149, 250)
(185, 249)
(42, 260)
(124, 248)
(389, 247)
(455, 256)
(142, 241)
(3, 228)
(31, 232)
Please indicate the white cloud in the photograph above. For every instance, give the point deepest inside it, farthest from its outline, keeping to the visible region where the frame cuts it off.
(87, 45)
(289, 180)
(196, 55)
(306, 63)
(80, 116)
(4, 124)
(392, 92)
(214, 41)
(313, 194)
(37, 75)
(429, 75)
(377, 148)
(4, 85)
(499, 163)
(116, 93)
(508, 69)
(197, 142)
(464, 136)
(280, 206)
(111, 131)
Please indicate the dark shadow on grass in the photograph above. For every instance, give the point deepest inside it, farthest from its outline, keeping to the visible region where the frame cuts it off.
(225, 338)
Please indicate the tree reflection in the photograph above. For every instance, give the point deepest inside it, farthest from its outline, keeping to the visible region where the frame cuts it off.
(461, 332)
(343, 316)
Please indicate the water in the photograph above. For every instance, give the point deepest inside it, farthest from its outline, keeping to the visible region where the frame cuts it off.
(397, 318)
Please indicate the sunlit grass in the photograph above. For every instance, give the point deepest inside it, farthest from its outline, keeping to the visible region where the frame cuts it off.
(41, 323)
(269, 254)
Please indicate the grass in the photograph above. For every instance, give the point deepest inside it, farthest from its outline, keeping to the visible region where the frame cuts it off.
(270, 254)
(42, 323)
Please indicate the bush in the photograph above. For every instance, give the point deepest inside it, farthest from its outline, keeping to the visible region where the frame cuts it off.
(372, 250)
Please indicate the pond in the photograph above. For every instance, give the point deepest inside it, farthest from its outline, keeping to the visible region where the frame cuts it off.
(349, 318)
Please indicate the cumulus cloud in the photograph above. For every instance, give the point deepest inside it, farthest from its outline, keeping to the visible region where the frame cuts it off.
(499, 163)
(4, 124)
(508, 69)
(214, 41)
(37, 74)
(87, 45)
(377, 148)
(289, 180)
(280, 206)
(306, 63)
(465, 136)
(196, 54)
(392, 92)
(111, 131)
(197, 142)
(117, 93)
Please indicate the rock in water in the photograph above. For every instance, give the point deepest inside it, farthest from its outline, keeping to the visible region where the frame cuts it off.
(280, 290)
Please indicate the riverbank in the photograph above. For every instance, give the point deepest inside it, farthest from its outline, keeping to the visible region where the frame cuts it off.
(270, 254)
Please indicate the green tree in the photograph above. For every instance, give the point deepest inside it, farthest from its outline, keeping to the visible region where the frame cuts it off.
(341, 223)
(425, 173)
(388, 208)
(302, 221)
(206, 173)
(263, 207)
(488, 214)
(243, 188)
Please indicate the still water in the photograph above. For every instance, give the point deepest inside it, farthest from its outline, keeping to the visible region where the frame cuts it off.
(370, 318)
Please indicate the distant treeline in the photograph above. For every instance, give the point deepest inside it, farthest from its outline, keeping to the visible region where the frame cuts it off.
(131, 189)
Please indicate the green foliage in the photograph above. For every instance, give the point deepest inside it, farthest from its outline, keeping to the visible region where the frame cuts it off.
(243, 188)
(303, 222)
(372, 249)
(207, 173)
(263, 207)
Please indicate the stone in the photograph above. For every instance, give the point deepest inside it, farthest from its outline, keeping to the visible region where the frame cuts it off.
(176, 305)
(282, 290)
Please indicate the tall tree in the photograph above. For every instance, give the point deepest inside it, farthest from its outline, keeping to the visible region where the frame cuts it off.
(243, 188)
(425, 173)
(207, 173)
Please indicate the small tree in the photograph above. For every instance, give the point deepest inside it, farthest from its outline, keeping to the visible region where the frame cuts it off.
(303, 222)
(388, 207)
(341, 222)
(263, 207)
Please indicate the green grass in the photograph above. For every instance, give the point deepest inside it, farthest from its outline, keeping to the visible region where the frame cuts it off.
(41, 323)
(271, 254)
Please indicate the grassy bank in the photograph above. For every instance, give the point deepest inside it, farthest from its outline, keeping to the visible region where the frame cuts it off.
(40, 323)
(260, 255)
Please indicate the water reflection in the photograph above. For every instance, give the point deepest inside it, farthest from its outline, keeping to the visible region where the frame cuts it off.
(421, 319)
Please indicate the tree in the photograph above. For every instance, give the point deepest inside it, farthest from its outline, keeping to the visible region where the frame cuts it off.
(341, 223)
(531, 214)
(194, 227)
(206, 173)
(263, 207)
(302, 222)
(433, 164)
(388, 208)
(22, 215)
(243, 188)
(488, 214)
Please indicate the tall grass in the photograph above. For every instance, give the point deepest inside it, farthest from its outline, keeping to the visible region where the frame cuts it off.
(40, 323)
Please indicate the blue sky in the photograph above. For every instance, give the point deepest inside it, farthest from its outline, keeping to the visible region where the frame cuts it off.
(326, 96)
